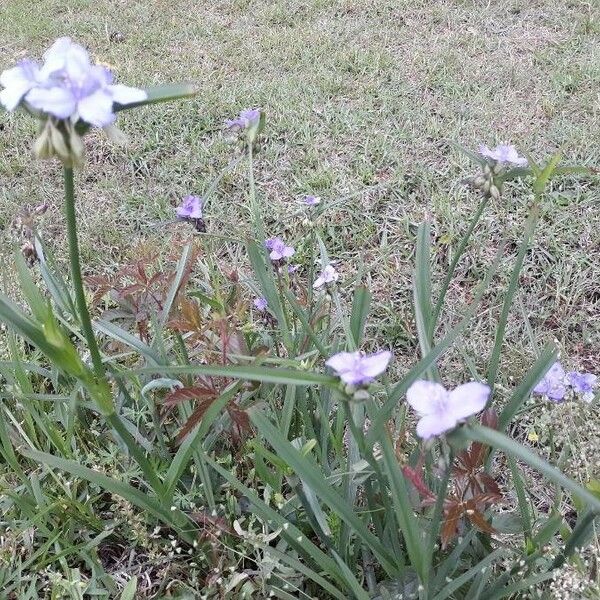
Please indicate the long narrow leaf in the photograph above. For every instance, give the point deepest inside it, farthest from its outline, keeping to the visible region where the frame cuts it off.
(322, 488)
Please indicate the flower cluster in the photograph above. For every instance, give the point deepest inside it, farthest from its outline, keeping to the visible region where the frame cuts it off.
(66, 86)
(497, 160)
(556, 384)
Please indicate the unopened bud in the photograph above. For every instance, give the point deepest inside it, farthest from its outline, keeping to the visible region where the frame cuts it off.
(115, 135)
(43, 146)
(77, 147)
(57, 139)
(360, 396)
(494, 192)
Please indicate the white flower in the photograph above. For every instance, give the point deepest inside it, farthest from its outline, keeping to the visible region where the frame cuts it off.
(328, 275)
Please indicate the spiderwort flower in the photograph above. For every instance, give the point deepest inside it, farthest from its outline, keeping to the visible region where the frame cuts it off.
(357, 368)
(67, 86)
(553, 384)
(278, 249)
(503, 154)
(260, 304)
(249, 117)
(441, 410)
(65, 90)
(312, 200)
(328, 275)
(17, 82)
(190, 208)
(583, 384)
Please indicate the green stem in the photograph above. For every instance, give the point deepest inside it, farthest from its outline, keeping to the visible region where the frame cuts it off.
(259, 228)
(84, 315)
(510, 293)
(459, 252)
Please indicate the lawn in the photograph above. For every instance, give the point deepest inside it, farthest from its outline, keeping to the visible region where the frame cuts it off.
(362, 102)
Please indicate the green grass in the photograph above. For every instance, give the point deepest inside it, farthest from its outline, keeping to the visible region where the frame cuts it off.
(360, 99)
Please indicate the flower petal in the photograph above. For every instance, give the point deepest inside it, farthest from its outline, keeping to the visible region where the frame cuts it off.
(124, 94)
(319, 281)
(56, 101)
(426, 397)
(435, 424)
(17, 81)
(468, 399)
(96, 109)
(376, 364)
(342, 361)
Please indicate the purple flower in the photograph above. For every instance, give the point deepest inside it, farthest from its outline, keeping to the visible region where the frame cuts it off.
(503, 154)
(293, 268)
(554, 383)
(312, 200)
(260, 304)
(278, 249)
(190, 208)
(582, 384)
(17, 82)
(441, 410)
(357, 368)
(248, 118)
(68, 86)
(328, 275)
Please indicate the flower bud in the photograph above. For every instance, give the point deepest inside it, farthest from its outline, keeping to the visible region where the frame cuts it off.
(77, 147)
(494, 192)
(58, 142)
(43, 146)
(361, 395)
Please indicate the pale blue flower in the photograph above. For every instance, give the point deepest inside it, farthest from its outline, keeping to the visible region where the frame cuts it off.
(441, 410)
(17, 82)
(503, 154)
(248, 118)
(583, 384)
(190, 208)
(67, 86)
(328, 275)
(278, 249)
(312, 200)
(553, 384)
(260, 304)
(357, 368)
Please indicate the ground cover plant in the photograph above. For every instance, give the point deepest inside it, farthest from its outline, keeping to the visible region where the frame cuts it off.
(268, 476)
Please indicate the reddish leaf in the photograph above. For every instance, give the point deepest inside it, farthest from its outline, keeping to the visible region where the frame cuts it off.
(198, 392)
(194, 419)
(416, 479)
(450, 525)
(479, 521)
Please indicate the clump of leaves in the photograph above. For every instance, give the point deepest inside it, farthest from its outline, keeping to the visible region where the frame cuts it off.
(138, 290)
